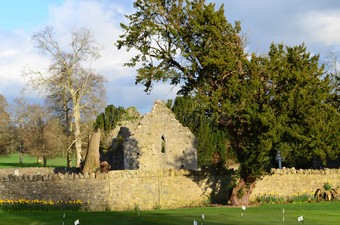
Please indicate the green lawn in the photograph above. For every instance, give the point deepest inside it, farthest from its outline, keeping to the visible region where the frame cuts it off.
(313, 213)
(12, 161)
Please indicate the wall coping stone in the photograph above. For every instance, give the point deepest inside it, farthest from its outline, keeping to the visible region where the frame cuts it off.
(285, 171)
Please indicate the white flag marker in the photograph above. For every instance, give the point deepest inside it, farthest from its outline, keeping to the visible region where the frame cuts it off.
(202, 216)
(195, 223)
(244, 208)
(76, 222)
(300, 218)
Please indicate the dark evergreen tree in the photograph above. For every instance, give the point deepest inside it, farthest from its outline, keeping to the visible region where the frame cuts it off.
(108, 120)
(264, 103)
(211, 139)
(309, 128)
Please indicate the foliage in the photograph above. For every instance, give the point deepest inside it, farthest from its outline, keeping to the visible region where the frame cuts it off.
(264, 103)
(157, 206)
(333, 62)
(260, 101)
(327, 186)
(20, 114)
(302, 198)
(306, 127)
(269, 198)
(211, 139)
(5, 126)
(43, 136)
(24, 205)
(108, 120)
(272, 198)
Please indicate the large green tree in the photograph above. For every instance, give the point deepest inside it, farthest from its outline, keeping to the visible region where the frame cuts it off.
(308, 127)
(259, 101)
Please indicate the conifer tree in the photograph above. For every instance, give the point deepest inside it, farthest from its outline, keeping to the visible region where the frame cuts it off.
(264, 103)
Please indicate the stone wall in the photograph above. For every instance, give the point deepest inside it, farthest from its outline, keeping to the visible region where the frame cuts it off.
(120, 190)
(292, 181)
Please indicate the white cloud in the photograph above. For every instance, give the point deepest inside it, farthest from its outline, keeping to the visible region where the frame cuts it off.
(16, 51)
(322, 26)
(103, 18)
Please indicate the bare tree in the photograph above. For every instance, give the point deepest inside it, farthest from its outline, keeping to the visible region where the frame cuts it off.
(20, 111)
(69, 74)
(60, 102)
(333, 63)
(43, 136)
(5, 136)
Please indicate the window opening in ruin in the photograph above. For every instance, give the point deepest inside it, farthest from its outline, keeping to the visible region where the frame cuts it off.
(163, 144)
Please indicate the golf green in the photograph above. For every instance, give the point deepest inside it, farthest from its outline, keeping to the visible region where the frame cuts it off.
(323, 213)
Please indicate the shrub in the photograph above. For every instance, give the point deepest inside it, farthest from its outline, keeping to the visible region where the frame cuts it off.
(327, 186)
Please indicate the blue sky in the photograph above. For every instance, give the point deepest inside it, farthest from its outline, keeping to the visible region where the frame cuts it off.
(314, 22)
(24, 14)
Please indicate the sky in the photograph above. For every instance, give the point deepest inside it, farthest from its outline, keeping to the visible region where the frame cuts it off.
(291, 22)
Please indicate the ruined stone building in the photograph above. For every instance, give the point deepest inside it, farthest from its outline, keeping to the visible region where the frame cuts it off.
(155, 141)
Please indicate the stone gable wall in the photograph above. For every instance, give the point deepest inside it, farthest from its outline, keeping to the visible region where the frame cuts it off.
(143, 150)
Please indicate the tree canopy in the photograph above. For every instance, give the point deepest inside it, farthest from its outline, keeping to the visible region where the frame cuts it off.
(264, 103)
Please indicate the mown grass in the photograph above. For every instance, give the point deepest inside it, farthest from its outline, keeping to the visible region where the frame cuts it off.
(12, 161)
(313, 213)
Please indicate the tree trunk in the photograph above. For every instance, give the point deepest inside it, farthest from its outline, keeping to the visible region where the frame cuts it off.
(39, 159)
(21, 150)
(21, 157)
(77, 136)
(69, 158)
(92, 156)
(241, 193)
(45, 160)
(68, 133)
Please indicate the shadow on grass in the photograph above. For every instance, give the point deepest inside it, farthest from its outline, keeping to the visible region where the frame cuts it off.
(19, 165)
